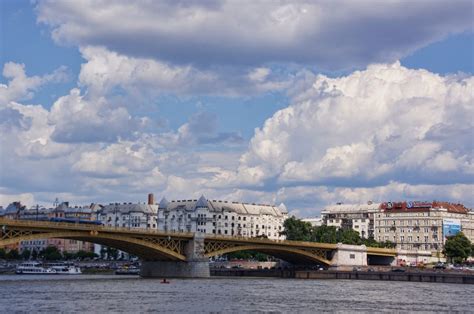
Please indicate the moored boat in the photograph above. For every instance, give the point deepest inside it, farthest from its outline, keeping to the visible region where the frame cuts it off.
(33, 268)
(65, 268)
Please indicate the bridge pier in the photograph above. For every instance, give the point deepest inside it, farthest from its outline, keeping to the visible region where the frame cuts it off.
(195, 266)
(173, 269)
(348, 256)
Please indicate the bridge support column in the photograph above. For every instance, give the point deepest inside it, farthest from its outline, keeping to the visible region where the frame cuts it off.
(347, 256)
(196, 265)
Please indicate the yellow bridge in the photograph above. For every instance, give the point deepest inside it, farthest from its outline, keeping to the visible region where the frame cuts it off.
(166, 250)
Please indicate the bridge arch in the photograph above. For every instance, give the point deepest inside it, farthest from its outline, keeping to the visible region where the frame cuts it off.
(145, 249)
(286, 253)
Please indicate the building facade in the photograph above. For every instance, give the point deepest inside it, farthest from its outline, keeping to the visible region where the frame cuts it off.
(222, 218)
(315, 222)
(17, 211)
(410, 225)
(129, 215)
(359, 217)
(421, 225)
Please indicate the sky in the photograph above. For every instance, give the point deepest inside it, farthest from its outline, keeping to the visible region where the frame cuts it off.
(306, 103)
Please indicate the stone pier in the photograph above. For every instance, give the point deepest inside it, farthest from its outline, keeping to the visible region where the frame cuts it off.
(196, 265)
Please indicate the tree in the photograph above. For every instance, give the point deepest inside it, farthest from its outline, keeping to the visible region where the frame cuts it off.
(34, 254)
(84, 254)
(457, 248)
(297, 230)
(51, 253)
(324, 234)
(12, 254)
(25, 254)
(248, 255)
(112, 253)
(3, 254)
(103, 252)
(348, 236)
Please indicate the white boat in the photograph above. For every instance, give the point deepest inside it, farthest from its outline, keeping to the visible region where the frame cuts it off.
(33, 268)
(64, 268)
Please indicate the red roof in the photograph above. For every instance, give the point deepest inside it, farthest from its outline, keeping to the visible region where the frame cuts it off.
(415, 206)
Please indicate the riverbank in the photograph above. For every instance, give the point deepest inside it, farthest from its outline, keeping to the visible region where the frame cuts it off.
(412, 276)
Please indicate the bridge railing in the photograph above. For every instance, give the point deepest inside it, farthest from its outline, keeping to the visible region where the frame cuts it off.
(88, 227)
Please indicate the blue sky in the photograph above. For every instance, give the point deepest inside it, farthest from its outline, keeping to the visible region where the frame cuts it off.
(226, 112)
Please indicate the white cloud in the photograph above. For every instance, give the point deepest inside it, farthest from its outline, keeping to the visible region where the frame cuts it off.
(22, 87)
(330, 35)
(368, 127)
(78, 119)
(105, 71)
(27, 199)
(201, 128)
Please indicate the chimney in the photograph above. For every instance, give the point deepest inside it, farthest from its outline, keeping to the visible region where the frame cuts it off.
(151, 199)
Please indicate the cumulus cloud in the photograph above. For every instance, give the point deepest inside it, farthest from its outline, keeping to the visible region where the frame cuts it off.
(21, 86)
(330, 35)
(106, 71)
(370, 127)
(310, 200)
(27, 199)
(78, 119)
(201, 128)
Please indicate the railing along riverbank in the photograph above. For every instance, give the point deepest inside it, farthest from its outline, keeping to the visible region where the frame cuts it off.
(413, 276)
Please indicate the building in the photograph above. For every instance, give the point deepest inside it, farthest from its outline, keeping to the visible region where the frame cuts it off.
(422, 225)
(315, 222)
(359, 217)
(410, 225)
(17, 211)
(222, 218)
(129, 215)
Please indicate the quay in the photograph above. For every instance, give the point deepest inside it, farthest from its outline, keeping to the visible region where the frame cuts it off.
(413, 276)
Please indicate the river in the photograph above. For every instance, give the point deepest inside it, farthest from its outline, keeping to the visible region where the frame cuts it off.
(125, 294)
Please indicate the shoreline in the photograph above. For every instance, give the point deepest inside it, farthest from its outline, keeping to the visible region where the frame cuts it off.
(409, 276)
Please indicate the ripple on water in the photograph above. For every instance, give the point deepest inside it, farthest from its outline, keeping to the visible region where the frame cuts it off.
(89, 293)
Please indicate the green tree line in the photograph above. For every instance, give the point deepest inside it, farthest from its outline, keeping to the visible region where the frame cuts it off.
(50, 253)
(298, 230)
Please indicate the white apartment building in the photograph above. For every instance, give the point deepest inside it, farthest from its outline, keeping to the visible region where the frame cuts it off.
(359, 217)
(421, 225)
(315, 222)
(129, 215)
(222, 217)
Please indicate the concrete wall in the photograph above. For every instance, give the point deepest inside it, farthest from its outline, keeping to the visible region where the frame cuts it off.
(172, 269)
(196, 265)
(350, 255)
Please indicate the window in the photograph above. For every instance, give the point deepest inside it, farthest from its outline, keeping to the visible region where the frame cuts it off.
(352, 256)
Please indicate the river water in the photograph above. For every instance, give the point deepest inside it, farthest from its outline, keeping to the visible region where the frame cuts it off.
(125, 294)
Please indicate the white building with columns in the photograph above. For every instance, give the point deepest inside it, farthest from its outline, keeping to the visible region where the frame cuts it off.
(222, 218)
